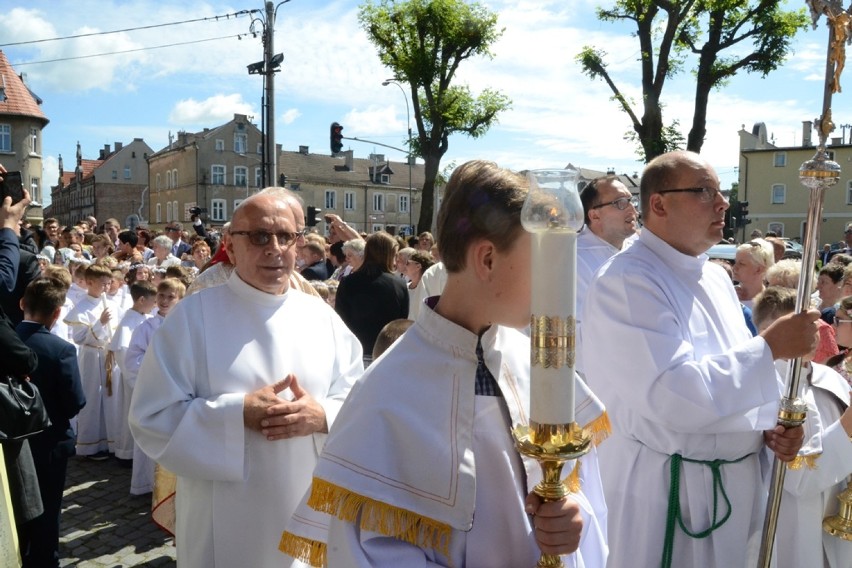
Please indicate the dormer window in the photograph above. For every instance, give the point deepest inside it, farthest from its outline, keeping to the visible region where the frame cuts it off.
(385, 179)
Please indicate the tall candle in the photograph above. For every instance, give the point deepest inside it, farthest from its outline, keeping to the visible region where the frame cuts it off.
(553, 214)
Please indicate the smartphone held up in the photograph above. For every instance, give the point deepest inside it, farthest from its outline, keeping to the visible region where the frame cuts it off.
(12, 186)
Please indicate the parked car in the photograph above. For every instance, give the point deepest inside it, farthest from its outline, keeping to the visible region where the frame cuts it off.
(723, 251)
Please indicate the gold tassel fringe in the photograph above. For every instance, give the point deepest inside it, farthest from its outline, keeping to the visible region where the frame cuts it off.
(380, 517)
(600, 428)
(572, 482)
(804, 461)
(309, 551)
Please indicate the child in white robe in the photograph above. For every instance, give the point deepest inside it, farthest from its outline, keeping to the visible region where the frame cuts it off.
(144, 296)
(424, 438)
(91, 322)
(169, 292)
(820, 471)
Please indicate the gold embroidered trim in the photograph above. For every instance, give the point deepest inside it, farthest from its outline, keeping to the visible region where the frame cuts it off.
(380, 517)
(309, 551)
(600, 428)
(800, 462)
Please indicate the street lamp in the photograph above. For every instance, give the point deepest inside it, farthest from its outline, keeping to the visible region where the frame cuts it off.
(408, 121)
(267, 68)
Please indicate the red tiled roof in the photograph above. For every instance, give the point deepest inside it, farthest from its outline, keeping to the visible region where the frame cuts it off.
(19, 100)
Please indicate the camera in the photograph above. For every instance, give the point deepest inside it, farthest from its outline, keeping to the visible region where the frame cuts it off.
(12, 186)
(195, 211)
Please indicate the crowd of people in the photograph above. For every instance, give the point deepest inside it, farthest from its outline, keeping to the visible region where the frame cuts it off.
(347, 399)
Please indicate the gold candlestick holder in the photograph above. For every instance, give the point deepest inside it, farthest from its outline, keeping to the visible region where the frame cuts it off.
(551, 445)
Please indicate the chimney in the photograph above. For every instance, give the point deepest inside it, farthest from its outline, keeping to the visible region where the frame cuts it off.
(610, 171)
(836, 140)
(118, 146)
(105, 152)
(349, 159)
(303, 150)
(807, 128)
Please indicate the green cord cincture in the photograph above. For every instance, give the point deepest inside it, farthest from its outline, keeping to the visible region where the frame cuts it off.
(674, 503)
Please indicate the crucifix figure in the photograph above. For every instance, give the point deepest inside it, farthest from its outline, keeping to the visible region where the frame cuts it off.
(840, 23)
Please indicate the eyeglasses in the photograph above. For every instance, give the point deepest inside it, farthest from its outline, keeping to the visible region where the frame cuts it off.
(705, 194)
(836, 320)
(621, 203)
(262, 238)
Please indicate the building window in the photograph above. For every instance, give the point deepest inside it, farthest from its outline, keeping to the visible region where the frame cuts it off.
(127, 173)
(175, 178)
(377, 227)
(220, 207)
(780, 159)
(258, 177)
(260, 147)
(34, 140)
(169, 210)
(158, 181)
(240, 142)
(220, 145)
(240, 176)
(378, 202)
(849, 192)
(217, 175)
(403, 204)
(35, 186)
(5, 137)
(779, 194)
(349, 201)
(778, 228)
(330, 199)
(385, 179)
(159, 216)
(114, 174)
(237, 203)
(176, 212)
(830, 154)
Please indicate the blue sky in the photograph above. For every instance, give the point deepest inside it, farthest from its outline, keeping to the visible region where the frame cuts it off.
(331, 73)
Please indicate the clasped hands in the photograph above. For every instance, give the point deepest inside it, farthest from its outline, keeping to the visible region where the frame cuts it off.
(278, 419)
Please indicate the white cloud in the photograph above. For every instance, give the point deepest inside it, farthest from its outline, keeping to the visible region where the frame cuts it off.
(211, 111)
(289, 116)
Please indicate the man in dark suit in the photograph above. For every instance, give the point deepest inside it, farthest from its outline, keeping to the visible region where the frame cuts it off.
(313, 255)
(174, 231)
(58, 378)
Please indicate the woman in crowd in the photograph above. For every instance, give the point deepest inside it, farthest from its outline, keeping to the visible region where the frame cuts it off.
(842, 363)
(163, 257)
(371, 296)
(402, 260)
(101, 247)
(750, 265)
(417, 264)
(354, 251)
(200, 255)
(425, 242)
(144, 236)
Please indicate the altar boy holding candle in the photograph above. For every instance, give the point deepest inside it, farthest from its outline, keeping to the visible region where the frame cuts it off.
(420, 468)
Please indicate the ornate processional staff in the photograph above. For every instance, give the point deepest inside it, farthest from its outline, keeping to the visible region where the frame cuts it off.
(553, 214)
(817, 174)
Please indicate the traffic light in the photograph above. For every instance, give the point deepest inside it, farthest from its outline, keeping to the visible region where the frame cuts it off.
(313, 216)
(743, 217)
(336, 138)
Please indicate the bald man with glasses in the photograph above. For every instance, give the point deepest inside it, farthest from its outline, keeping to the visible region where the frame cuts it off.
(237, 391)
(692, 396)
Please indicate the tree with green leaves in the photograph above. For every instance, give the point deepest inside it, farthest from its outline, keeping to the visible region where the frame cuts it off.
(720, 37)
(423, 42)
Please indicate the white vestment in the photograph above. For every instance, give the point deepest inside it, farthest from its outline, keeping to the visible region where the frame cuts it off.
(666, 348)
(118, 346)
(142, 475)
(92, 338)
(810, 492)
(434, 280)
(235, 488)
(422, 454)
(592, 253)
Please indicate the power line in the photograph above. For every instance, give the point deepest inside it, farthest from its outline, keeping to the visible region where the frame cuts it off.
(238, 36)
(153, 26)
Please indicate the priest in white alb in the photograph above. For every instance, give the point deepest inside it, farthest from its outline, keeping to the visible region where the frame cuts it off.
(237, 390)
(692, 396)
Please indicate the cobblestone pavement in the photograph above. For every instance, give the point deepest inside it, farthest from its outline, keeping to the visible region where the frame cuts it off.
(102, 525)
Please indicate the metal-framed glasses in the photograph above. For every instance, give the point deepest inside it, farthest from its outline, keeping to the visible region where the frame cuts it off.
(621, 203)
(263, 238)
(837, 321)
(705, 194)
